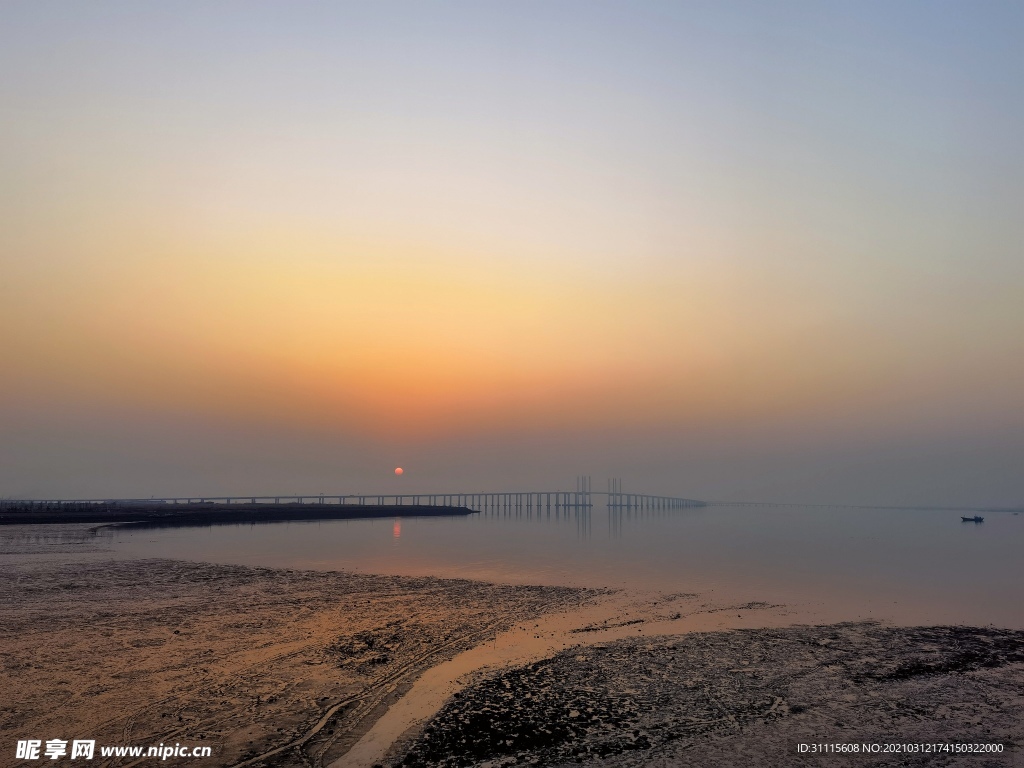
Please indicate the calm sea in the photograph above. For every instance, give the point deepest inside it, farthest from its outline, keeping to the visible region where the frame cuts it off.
(905, 566)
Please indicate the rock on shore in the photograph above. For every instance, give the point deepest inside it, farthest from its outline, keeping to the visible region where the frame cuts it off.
(744, 697)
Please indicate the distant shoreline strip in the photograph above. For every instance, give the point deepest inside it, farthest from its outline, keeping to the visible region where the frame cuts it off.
(158, 516)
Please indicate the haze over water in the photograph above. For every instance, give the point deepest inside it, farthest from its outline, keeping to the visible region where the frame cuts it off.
(905, 566)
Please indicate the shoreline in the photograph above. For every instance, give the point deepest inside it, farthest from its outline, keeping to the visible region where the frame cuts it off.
(169, 515)
(266, 666)
(281, 668)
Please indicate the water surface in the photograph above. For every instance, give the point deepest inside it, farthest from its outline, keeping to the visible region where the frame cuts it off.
(905, 566)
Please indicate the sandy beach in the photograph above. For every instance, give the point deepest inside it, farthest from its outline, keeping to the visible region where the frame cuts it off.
(275, 667)
(249, 661)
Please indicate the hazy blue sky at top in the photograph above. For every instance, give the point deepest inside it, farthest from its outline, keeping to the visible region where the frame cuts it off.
(800, 221)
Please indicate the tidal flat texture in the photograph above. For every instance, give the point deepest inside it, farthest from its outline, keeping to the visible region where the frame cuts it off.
(743, 698)
(268, 667)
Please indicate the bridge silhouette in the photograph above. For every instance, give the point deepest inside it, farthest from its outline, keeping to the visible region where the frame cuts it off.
(581, 498)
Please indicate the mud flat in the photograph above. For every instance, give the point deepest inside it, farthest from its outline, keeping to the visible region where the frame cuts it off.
(295, 668)
(744, 697)
(268, 667)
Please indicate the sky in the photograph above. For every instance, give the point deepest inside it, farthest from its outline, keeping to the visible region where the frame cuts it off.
(722, 250)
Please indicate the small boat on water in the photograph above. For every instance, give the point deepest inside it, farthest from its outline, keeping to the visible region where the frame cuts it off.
(975, 519)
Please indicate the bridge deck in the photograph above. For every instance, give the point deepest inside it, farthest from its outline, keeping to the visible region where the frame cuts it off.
(511, 499)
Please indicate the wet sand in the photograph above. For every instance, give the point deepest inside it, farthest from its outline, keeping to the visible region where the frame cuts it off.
(294, 668)
(636, 679)
(610, 617)
(290, 665)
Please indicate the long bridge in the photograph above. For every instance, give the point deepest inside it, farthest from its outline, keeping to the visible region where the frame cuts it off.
(581, 498)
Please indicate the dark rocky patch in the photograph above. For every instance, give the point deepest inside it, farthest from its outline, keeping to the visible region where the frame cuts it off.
(741, 698)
